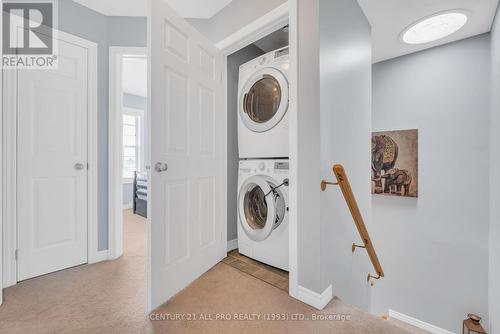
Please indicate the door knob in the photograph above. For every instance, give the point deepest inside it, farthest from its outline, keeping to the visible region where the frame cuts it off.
(79, 166)
(161, 167)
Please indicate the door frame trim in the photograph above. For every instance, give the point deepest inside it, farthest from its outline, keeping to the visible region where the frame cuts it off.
(263, 26)
(1, 168)
(115, 182)
(9, 159)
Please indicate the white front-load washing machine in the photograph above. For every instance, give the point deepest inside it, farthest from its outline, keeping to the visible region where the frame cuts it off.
(263, 211)
(263, 104)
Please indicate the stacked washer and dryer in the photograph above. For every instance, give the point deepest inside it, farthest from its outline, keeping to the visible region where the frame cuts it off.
(263, 141)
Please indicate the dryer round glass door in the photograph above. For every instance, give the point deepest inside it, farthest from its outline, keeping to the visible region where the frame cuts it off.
(264, 100)
(261, 207)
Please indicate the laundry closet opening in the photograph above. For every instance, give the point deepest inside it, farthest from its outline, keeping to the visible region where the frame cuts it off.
(258, 152)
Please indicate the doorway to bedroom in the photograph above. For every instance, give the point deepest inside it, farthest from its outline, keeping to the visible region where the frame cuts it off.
(129, 151)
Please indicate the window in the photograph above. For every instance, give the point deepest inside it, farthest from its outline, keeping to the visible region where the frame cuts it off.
(133, 152)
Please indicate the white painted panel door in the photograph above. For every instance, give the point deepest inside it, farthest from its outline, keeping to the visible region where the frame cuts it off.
(52, 165)
(188, 128)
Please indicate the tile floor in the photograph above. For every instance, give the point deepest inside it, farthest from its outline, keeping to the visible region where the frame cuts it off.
(274, 276)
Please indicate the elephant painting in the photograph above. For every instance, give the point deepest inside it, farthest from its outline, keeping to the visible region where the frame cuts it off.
(397, 181)
(384, 157)
(395, 163)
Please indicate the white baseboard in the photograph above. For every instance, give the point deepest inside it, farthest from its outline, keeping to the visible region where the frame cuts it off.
(232, 245)
(418, 323)
(128, 206)
(99, 257)
(316, 300)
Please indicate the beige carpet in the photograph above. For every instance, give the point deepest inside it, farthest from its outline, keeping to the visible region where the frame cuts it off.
(226, 291)
(107, 297)
(110, 297)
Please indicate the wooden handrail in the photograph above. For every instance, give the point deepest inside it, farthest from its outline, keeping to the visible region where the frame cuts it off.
(345, 186)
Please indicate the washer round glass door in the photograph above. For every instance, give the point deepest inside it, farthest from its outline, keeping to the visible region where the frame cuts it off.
(261, 208)
(264, 100)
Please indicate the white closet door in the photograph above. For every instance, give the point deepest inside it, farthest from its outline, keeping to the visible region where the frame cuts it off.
(188, 128)
(52, 165)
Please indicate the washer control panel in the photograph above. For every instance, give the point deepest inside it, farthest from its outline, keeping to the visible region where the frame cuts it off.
(282, 165)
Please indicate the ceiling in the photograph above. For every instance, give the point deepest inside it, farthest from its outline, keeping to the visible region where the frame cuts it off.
(203, 9)
(135, 76)
(117, 7)
(387, 17)
(390, 17)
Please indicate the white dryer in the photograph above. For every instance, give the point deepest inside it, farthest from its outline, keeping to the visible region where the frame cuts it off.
(263, 211)
(263, 106)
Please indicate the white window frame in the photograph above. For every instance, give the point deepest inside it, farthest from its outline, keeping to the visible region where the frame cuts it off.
(139, 142)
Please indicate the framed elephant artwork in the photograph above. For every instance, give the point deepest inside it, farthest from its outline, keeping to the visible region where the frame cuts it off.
(395, 163)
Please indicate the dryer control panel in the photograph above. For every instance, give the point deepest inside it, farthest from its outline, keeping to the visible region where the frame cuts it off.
(266, 167)
(277, 58)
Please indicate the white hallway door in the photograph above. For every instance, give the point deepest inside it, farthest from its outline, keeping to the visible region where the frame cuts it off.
(52, 165)
(188, 154)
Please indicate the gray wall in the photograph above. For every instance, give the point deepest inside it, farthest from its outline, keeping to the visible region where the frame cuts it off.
(105, 31)
(233, 66)
(345, 138)
(434, 249)
(135, 101)
(494, 292)
(233, 17)
(127, 31)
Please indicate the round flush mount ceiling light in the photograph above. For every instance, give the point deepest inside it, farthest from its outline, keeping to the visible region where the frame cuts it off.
(435, 27)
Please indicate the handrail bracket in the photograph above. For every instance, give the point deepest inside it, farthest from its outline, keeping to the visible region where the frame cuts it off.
(370, 277)
(354, 246)
(325, 184)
